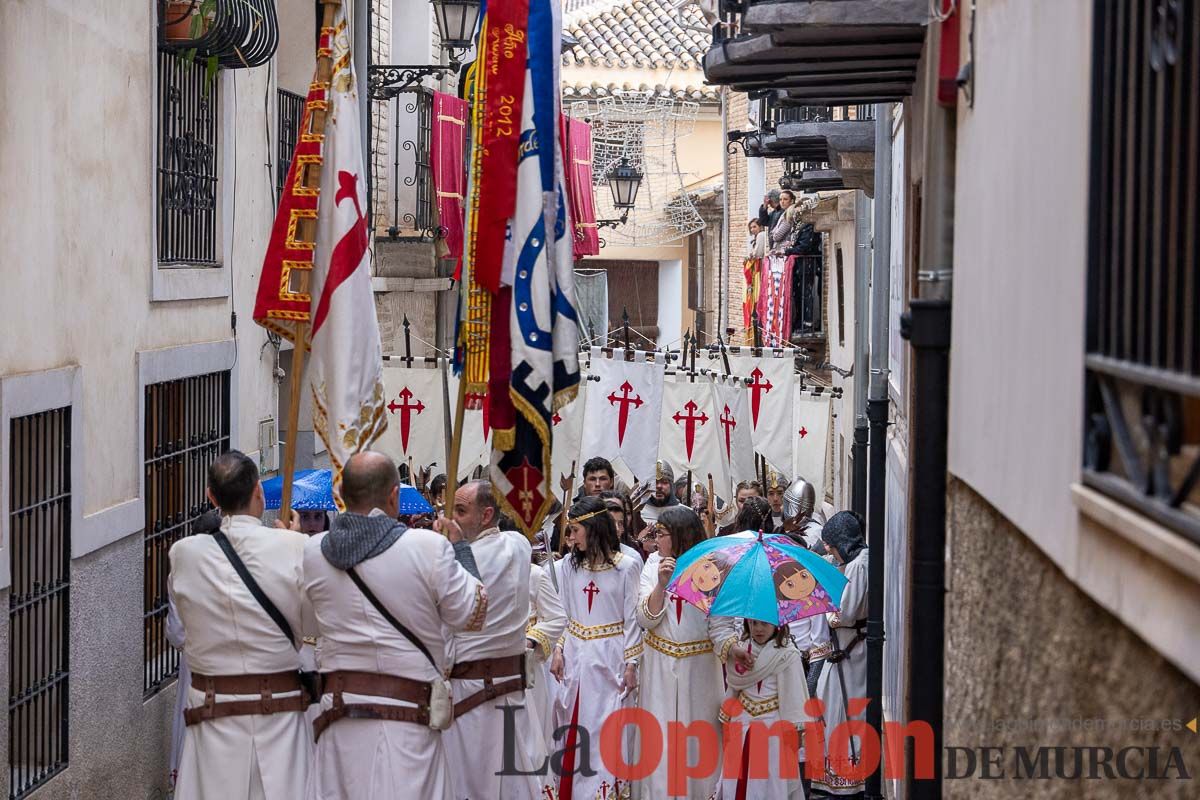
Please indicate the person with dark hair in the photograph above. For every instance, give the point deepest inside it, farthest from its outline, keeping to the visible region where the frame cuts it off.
(746, 489)
(488, 678)
(844, 676)
(621, 511)
(770, 693)
(754, 516)
(596, 664)
(680, 673)
(387, 600)
(235, 747)
(598, 476)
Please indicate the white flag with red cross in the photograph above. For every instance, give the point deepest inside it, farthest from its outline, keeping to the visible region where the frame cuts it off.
(415, 407)
(810, 433)
(345, 373)
(691, 439)
(737, 444)
(623, 411)
(476, 450)
(770, 385)
(567, 426)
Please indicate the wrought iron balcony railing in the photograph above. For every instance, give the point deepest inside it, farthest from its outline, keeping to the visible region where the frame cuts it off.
(402, 193)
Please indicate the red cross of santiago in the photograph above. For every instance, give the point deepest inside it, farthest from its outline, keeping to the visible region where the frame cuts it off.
(591, 590)
(405, 409)
(690, 420)
(757, 387)
(728, 422)
(625, 402)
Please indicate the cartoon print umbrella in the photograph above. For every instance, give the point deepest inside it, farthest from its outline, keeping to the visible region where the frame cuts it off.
(312, 490)
(757, 576)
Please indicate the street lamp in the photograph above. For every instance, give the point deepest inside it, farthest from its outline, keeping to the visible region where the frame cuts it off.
(456, 21)
(624, 180)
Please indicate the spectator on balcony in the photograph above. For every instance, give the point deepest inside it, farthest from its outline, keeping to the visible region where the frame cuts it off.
(756, 247)
(807, 242)
(783, 231)
(770, 211)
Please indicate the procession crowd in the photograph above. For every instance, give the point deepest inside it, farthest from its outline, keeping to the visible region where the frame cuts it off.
(373, 655)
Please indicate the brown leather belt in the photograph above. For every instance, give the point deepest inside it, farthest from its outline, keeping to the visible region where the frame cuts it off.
(265, 685)
(373, 684)
(487, 670)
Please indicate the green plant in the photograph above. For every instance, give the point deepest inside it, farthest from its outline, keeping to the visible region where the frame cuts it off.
(206, 11)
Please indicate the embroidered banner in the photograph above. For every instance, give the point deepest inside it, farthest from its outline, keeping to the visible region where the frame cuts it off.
(775, 300)
(579, 180)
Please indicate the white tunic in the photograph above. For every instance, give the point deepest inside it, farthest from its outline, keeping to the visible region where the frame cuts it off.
(475, 742)
(853, 671)
(547, 622)
(228, 633)
(680, 677)
(422, 586)
(602, 635)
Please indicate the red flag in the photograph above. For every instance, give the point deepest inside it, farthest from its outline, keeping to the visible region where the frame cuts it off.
(449, 178)
(578, 147)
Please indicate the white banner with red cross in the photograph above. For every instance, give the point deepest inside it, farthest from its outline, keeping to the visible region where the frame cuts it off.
(691, 439)
(567, 427)
(623, 410)
(769, 383)
(415, 407)
(810, 433)
(737, 444)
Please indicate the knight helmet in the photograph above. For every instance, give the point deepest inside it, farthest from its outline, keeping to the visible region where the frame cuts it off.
(799, 500)
(663, 471)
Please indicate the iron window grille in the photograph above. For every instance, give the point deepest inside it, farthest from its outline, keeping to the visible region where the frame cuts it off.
(1142, 398)
(290, 113)
(39, 604)
(187, 164)
(186, 427)
(412, 218)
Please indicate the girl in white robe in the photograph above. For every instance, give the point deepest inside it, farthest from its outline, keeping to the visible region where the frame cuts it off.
(843, 537)
(773, 690)
(596, 662)
(680, 673)
(547, 622)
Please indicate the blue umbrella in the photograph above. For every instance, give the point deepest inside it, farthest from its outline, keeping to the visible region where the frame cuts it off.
(756, 576)
(312, 490)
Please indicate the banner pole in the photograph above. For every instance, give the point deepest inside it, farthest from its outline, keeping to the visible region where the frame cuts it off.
(312, 179)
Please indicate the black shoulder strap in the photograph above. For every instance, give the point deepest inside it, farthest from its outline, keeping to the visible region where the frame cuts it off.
(272, 610)
(395, 623)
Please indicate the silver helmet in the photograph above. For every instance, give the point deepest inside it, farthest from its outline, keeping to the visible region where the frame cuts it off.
(663, 471)
(799, 500)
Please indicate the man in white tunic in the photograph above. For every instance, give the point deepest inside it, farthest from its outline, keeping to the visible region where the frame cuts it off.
(489, 742)
(383, 690)
(845, 673)
(246, 737)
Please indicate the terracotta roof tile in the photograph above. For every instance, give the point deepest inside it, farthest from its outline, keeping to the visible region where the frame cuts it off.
(642, 33)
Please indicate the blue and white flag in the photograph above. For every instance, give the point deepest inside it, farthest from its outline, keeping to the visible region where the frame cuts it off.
(538, 278)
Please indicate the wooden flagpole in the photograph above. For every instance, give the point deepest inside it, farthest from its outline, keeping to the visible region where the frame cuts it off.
(312, 180)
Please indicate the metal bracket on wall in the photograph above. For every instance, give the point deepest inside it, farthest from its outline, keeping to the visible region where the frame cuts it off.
(385, 81)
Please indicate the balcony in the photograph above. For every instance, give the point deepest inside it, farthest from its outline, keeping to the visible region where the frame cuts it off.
(820, 52)
(841, 138)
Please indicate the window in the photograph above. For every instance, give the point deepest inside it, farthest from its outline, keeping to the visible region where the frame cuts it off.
(841, 298)
(188, 227)
(1142, 413)
(408, 210)
(39, 606)
(291, 112)
(186, 427)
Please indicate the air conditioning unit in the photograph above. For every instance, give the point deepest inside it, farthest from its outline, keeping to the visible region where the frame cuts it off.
(268, 446)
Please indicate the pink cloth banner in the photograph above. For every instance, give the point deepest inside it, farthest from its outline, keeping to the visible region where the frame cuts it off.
(578, 139)
(449, 168)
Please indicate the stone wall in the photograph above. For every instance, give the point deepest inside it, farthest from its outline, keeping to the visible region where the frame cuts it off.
(737, 112)
(1023, 644)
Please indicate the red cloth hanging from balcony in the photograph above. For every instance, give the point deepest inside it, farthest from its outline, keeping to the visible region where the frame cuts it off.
(449, 168)
(577, 135)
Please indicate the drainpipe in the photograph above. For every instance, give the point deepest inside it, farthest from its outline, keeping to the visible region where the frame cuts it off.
(723, 267)
(877, 415)
(927, 328)
(862, 350)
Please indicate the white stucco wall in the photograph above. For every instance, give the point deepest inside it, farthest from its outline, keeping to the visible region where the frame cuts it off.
(671, 302)
(80, 238)
(1016, 380)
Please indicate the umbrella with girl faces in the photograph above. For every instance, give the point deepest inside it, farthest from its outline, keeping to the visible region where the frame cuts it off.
(767, 577)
